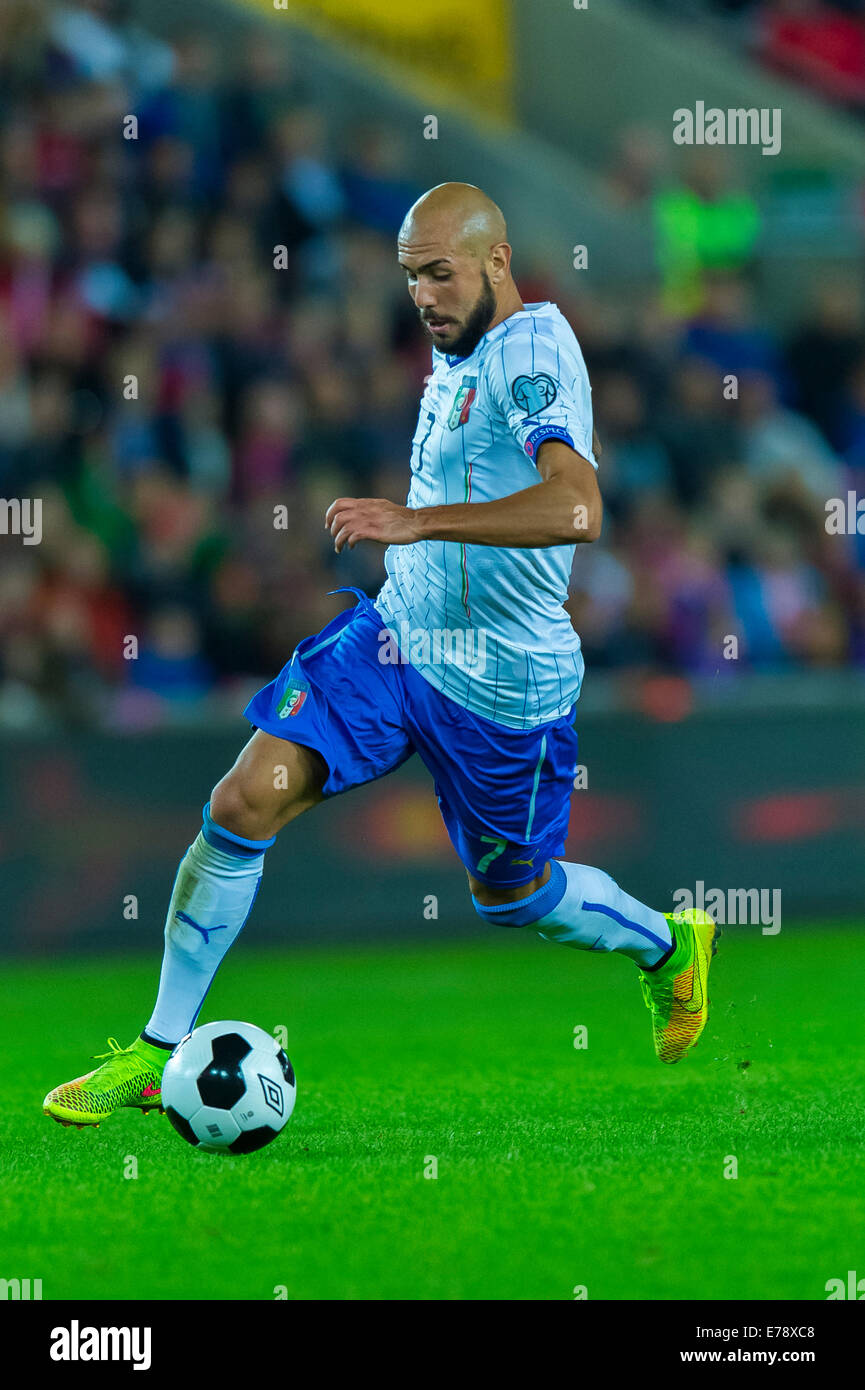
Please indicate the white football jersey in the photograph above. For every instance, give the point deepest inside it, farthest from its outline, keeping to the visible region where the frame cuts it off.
(485, 624)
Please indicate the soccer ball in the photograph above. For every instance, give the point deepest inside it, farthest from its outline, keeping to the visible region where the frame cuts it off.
(228, 1088)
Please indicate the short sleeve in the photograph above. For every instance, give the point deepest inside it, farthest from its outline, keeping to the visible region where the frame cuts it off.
(542, 388)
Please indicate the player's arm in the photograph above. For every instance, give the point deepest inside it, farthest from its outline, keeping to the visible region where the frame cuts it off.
(562, 509)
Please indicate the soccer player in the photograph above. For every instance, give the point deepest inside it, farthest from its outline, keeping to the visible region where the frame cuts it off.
(466, 657)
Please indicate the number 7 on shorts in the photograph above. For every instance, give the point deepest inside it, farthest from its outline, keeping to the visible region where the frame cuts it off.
(498, 848)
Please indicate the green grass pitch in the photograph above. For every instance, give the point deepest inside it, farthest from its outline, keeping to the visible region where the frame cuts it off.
(557, 1167)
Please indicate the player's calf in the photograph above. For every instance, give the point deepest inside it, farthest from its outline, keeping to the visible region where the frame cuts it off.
(583, 907)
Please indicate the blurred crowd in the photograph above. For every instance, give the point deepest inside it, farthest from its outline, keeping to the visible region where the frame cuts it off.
(164, 386)
(820, 43)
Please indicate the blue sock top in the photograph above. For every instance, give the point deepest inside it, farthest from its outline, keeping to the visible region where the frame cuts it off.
(531, 909)
(230, 843)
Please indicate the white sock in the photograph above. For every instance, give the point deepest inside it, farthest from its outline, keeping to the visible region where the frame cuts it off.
(595, 915)
(214, 890)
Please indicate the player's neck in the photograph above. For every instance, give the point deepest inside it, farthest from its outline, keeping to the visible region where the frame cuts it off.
(509, 304)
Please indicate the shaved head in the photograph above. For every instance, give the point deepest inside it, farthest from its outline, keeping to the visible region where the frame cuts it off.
(459, 213)
(453, 246)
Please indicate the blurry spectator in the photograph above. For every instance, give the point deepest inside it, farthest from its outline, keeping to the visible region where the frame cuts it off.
(638, 166)
(336, 434)
(603, 596)
(850, 425)
(15, 416)
(699, 428)
(704, 224)
(101, 49)
(780, 606)
(268, 439)
(724, 332)
(185, 114)
(822, 353)
(264, 88)
(779, 446)
(310, 184)
(376, 189)
(169, 662)
(697, 603)
(634, 458)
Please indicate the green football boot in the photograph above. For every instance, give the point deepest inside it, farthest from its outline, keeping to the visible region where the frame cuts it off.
(131, 1078)
(677, 995)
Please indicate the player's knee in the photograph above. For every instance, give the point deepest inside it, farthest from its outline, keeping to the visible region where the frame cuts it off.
(523, 912)
(272, 782)
(238, 805)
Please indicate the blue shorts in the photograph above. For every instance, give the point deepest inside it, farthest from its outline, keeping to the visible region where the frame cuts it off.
(504, 794)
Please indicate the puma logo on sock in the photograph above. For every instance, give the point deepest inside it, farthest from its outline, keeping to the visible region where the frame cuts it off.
(205, 931)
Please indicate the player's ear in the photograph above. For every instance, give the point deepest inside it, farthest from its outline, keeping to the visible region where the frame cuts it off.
(500, 262)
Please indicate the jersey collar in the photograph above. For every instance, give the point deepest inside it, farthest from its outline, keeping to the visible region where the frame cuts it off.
(493, 333)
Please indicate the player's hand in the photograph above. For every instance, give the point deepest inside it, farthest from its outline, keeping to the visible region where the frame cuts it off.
(353, 519)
